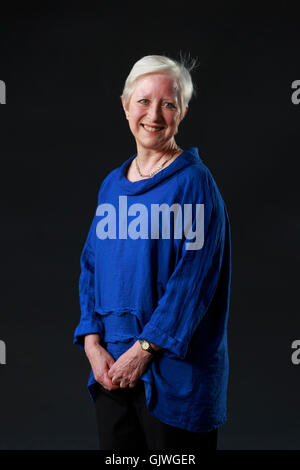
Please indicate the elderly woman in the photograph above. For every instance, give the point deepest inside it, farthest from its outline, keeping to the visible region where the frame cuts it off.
(155, 280)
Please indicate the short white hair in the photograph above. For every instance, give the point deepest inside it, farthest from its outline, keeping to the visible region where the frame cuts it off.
(179, 71)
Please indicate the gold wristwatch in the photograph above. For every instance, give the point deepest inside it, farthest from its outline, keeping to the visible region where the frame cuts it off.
(145, 345)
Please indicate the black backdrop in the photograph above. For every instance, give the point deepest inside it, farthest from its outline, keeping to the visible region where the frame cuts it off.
(63, 130)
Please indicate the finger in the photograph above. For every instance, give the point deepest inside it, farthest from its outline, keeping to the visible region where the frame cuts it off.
(107, 382)
(110, 386)
(114, 387)
(115, 381)
(123, 384)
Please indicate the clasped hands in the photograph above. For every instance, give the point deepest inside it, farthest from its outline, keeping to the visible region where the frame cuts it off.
(122, 373)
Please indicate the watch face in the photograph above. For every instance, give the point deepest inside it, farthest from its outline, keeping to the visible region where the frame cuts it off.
(145, 345)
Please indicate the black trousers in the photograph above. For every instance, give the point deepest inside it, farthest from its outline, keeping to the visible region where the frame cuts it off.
(124, 423)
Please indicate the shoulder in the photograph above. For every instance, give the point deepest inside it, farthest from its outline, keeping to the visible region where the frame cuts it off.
(109, 179)
(199, 180)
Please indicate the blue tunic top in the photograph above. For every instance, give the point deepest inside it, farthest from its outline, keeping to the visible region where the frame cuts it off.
(144, 276)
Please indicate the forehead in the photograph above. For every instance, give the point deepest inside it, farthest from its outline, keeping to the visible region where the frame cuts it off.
(161, 84)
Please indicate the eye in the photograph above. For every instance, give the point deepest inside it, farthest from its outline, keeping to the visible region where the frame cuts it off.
(169, 105)
(143, 101)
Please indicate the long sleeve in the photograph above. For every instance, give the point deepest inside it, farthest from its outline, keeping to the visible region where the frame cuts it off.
(191, 287)
(90, 322)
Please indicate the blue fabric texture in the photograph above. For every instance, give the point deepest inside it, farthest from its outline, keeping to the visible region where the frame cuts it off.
(157, 289)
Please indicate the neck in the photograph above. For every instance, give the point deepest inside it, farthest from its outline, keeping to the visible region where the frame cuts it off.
(149, 158)
(155, 162)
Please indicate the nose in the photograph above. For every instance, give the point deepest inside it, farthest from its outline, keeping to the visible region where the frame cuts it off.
(154, 113)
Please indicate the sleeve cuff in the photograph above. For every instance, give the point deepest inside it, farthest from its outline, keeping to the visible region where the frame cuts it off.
(160, 338)
(87, 327)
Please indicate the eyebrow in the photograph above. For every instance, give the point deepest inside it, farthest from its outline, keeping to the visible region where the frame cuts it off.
(145, 95)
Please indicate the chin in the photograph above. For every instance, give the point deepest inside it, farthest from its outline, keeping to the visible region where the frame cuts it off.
(150, 143)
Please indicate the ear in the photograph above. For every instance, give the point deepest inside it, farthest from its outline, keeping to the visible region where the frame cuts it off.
(124, 107)
(185, 113)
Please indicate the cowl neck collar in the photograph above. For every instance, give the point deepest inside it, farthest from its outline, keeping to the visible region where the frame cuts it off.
(186, 158)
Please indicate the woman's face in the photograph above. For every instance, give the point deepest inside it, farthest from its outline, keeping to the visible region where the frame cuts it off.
(153, 112)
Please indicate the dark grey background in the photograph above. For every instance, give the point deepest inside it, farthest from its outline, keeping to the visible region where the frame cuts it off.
(63, 130)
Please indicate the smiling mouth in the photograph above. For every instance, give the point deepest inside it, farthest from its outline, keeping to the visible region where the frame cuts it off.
(152, 129)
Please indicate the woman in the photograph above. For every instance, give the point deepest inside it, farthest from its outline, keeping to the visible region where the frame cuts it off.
(155, 280)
